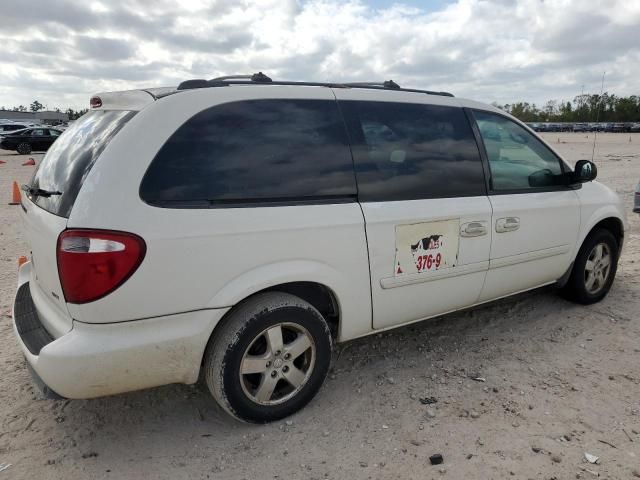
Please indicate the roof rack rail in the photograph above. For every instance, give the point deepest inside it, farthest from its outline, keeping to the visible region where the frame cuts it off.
(256, 77)
(386, 84)
(261, 78)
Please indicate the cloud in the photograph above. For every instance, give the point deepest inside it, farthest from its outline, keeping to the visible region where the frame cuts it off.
(103, 49)
(489, 50)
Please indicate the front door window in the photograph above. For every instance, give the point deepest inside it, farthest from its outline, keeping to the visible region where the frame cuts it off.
(517, 159)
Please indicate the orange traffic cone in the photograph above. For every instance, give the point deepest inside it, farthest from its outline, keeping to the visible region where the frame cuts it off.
(16, 195)
(2, 161)
(31, 161)
(22, 260)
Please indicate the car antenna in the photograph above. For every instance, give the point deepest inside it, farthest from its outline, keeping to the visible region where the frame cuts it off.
(595, 134)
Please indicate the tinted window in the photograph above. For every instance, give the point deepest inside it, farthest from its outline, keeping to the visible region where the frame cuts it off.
(407, 151)
(38, 132)
(54, 133)
(10, 127)
(254, 151)
(518, 160)
(70, 158)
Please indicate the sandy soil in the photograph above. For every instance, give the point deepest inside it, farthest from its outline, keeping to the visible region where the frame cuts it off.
(561, 380)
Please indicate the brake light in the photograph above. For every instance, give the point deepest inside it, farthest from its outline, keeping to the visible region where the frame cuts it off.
(95, 102)
(93, 263)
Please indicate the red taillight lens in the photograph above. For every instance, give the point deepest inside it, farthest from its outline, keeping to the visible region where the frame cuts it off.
(93, 263)
(95, 102)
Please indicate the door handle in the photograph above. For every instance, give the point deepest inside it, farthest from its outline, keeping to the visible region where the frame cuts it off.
(473, 229)
(507, 224)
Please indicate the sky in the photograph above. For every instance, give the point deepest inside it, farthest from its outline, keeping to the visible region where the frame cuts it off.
(62, 51)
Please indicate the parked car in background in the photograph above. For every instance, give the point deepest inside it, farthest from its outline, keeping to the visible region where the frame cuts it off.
(636, 199)
(330, 214)
(580, 127)
(635, 127)
(37, 139)
(11, 127)
(618, 127)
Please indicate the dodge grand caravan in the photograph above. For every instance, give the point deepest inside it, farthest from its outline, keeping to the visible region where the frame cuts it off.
(234, 229)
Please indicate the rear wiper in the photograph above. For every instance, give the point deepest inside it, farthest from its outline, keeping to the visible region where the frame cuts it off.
(39, 192)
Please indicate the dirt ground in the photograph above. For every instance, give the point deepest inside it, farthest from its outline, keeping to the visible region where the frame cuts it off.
(561, 380)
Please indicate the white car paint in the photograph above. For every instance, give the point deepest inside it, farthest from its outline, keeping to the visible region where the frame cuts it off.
(538, 250)
(200, 263)
(95, 360)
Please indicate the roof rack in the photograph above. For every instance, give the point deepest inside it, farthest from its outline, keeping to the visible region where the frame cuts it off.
(386, 84)
(256, 77)
(262, 79)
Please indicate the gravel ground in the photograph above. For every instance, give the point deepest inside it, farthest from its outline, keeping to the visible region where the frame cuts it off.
(561, 380)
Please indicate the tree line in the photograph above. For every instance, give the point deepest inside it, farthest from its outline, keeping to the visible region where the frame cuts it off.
(36, 106)
(584, 108)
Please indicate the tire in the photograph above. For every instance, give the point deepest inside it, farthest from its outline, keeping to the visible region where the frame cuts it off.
(585, 285)
(24, 148)
(248, 340)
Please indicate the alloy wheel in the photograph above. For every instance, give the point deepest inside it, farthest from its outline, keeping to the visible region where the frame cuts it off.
(277, 364)
(597, 268)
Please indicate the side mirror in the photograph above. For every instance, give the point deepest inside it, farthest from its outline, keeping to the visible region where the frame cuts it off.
(585, 171)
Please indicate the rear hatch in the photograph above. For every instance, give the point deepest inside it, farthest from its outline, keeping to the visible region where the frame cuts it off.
(49, 199)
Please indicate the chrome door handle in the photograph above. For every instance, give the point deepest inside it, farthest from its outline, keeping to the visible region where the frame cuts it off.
(507, 224)
(473, 229)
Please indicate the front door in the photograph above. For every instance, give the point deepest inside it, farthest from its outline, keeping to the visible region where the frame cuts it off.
(52, 137)
(536, 216)
(38, 139)
(422, 191)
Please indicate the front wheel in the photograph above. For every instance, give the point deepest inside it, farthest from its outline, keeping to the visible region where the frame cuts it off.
(594, 269)
(269, 358)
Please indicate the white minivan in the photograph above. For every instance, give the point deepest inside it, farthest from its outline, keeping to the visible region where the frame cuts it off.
(235, 229)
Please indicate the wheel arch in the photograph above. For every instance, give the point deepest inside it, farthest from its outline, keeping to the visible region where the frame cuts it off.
(320, 296)
(324, 287)
(606, 218)
(607, 221)
(615, 226)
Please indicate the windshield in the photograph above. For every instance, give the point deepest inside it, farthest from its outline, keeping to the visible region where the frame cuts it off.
(70, 158)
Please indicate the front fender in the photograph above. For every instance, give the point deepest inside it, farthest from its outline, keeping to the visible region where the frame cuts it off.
(596, 216)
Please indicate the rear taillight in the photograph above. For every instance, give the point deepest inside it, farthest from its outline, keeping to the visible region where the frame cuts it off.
(95, 102)
(93, 263)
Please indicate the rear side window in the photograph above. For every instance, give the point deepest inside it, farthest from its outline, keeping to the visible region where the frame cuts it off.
(257, 151)
(70, 158)
(405, 151)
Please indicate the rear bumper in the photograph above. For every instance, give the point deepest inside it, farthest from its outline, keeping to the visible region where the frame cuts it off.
(94, 360)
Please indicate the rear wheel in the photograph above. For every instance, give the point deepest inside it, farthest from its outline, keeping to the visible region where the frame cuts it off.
(270, 357)
(594, 269)
(24, 148)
